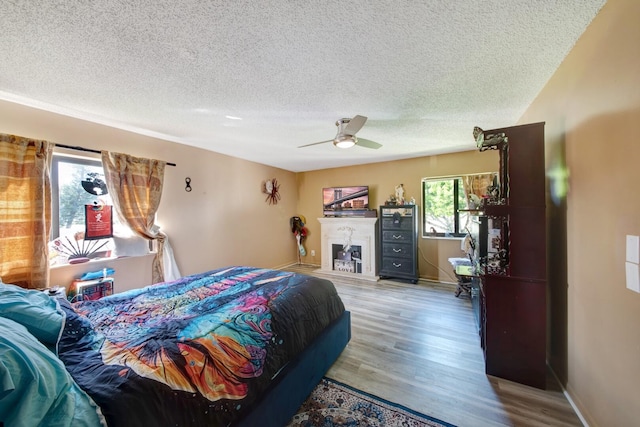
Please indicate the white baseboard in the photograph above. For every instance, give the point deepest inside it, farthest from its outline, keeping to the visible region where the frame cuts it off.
(291, 264)
(571, 402)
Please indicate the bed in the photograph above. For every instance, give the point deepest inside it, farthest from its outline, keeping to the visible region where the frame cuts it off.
(237, 346)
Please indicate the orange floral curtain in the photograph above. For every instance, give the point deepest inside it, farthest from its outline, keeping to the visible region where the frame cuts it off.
(135, 185)
(25, 210)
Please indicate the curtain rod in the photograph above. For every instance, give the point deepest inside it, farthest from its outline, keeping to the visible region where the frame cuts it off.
(89, 150)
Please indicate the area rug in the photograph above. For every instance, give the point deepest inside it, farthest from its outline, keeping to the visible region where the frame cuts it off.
(335, 404)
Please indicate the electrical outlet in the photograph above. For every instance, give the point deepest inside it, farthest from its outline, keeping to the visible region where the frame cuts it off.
(313, 252)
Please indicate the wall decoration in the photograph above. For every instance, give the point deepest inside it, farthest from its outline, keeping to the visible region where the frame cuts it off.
(76, 251)
(94, 185)
(271, 188)
(98, 220)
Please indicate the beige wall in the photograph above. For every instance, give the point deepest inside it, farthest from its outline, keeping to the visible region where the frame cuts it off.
(223, 221)
(591, 107)
(382, 179)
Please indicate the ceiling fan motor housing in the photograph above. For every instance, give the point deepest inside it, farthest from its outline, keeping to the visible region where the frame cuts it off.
(341, 122)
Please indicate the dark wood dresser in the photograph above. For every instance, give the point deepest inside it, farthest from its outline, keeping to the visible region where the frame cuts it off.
(399, 242)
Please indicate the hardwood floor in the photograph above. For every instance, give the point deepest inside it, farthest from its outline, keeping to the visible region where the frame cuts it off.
(417, 345)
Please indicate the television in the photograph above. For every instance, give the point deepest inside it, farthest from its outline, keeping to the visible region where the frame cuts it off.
(345, 201)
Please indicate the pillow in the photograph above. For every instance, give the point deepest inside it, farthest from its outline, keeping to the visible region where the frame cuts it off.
(33, 309)
(35, 387)
(130, 245)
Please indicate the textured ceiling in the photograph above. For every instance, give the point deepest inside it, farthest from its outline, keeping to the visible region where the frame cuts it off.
(423, 72)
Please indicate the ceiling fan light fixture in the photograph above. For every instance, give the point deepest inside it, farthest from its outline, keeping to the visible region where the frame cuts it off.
(346, 136)
(345, 141)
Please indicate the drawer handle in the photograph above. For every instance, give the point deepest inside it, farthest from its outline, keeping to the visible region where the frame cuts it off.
(397, 250)
(397, 237)
(397, 265)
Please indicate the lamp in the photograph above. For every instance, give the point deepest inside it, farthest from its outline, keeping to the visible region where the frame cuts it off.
(345, 141)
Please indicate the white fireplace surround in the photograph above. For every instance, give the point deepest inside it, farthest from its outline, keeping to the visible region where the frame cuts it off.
(349, 231)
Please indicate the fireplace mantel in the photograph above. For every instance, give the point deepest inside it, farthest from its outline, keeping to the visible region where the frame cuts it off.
(360, 232)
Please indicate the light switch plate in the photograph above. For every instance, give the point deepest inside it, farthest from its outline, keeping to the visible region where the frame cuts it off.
(633, 249)
(633, 276)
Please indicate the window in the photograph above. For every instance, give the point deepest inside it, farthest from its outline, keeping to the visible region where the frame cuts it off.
(441, 201)
(68, 199)
(68, 196)
(445, 203)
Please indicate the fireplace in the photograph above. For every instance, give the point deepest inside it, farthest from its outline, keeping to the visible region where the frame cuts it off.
(348, 246)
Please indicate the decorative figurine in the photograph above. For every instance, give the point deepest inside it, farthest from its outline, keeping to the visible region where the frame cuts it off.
(400, 194)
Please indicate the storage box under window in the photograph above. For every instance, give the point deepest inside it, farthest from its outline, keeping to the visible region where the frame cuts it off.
(90, 290)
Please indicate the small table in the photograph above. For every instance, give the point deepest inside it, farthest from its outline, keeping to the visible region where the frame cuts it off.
(462, 270)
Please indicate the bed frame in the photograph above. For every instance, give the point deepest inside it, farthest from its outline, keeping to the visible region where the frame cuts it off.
(295, 382)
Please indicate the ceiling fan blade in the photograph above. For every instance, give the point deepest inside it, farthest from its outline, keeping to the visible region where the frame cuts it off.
(315, 143)
(354, 125)
(367, 143)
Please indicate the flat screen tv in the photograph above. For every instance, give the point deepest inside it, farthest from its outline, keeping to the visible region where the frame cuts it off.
(345, 201)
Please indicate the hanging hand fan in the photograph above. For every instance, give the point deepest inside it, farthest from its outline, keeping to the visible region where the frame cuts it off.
(346, 136)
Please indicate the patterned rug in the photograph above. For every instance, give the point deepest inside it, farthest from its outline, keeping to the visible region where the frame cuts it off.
(335, 404)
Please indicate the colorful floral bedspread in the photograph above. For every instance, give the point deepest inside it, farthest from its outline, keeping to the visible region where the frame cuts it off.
(197, 351)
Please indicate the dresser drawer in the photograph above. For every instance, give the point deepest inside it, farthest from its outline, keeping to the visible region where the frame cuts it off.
(405, 223)
(397, 236)
(398, 250)
(398, 266)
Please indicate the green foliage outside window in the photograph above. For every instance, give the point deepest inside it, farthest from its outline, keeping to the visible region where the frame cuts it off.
(68, 196)
(441, 200)
(73, 197)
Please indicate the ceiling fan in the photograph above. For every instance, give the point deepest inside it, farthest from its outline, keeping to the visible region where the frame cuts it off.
(346, 136)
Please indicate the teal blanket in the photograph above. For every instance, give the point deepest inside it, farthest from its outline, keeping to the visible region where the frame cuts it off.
(35, 387)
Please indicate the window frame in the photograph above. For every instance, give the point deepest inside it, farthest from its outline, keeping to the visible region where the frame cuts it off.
(459, 211)
(55, 186)
(457, 181)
